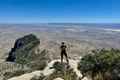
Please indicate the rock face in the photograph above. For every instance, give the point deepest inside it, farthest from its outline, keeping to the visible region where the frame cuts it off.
(23, 46)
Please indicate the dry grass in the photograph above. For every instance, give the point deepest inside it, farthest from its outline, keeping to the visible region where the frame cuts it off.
(8, 69)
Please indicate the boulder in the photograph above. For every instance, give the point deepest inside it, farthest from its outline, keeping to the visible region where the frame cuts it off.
(58, 79)
(23, 46)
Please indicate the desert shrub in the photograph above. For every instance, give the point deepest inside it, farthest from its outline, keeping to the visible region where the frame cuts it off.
(62, 72)
(38, 65)
(39, 61)
(58, 66)
(101, 64)
(66, 75)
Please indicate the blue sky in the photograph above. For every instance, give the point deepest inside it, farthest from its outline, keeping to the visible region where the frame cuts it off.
(46, 11)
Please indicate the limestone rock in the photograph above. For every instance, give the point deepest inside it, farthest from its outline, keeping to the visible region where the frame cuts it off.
(58, 79)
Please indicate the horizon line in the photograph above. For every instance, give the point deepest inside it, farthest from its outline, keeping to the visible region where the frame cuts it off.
(59, 22)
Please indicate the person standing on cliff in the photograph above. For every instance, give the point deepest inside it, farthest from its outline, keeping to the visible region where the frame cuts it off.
(64, 52)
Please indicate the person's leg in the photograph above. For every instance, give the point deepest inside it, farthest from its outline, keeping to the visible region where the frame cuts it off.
(66, 57)
(61, 57)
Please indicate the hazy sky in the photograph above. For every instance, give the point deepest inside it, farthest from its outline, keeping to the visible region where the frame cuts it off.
(35, 11)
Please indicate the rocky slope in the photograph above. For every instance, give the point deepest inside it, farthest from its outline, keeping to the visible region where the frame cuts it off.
(54, 73)
(31, 63)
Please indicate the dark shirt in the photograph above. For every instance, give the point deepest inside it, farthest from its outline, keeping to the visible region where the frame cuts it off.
(63, 47)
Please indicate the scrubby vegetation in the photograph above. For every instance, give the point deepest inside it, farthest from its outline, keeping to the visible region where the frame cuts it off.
(63, 72)
(8, 70)
(101, 65)
(26, 52)
(40, 60)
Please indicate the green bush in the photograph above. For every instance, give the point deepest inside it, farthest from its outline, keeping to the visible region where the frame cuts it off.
(101, 65)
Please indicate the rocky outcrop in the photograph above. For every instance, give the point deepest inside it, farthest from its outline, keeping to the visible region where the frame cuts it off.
(26, 52)
(23, 46)
(53, 73)
(28, 56)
